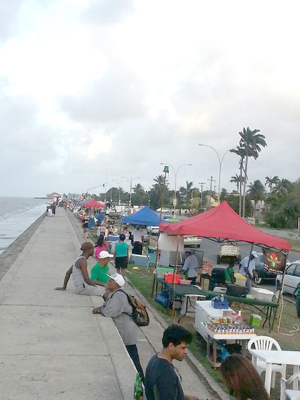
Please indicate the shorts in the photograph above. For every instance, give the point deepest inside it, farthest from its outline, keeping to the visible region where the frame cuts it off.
(121, 262)
(88, 290)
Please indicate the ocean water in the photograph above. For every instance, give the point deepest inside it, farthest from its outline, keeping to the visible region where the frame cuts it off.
(16, 215)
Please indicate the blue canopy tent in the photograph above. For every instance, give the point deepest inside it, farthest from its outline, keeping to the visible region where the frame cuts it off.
(145, 216)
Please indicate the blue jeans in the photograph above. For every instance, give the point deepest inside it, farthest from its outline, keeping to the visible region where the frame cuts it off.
(298, 307)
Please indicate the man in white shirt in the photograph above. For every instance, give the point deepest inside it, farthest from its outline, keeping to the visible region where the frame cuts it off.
(247, 268)
(191, 266)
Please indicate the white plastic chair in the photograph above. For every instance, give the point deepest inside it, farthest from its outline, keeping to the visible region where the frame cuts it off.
(291, 394)
(266, 343)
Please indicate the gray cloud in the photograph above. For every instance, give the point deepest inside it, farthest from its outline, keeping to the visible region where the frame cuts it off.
(118, 95)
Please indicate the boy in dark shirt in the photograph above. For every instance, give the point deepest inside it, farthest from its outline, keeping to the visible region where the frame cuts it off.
(162, 381)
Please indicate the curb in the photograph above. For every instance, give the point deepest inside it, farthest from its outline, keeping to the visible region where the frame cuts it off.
(191, 359)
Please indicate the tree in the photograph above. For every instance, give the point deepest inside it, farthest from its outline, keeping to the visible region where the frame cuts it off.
(256, 191)
(240, 151)
(185, 193)
(236, 179)
(252, 142)
(158, 191)
(270, 182)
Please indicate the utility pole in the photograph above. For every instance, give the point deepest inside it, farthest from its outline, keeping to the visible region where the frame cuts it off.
(210, 190)
(201, 184)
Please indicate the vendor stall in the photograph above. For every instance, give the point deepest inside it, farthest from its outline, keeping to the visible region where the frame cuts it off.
(223, 223)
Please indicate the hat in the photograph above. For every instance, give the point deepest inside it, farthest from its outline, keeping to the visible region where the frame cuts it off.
(105, 254)
(254, 254)
(117, 278)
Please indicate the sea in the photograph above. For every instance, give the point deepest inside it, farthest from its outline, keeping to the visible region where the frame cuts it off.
(16, 215)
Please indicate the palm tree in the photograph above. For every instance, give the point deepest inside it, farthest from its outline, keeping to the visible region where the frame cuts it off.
(185, 192)
(240, 151)
(138, 188)
(256, 192)
(271, 181)
(236, 179)
(252, 142)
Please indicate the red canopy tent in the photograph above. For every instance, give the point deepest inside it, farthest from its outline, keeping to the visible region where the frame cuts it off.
(222, 223)
(94, 203)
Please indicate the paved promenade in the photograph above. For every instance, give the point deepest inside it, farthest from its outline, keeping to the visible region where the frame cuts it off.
(51, 345)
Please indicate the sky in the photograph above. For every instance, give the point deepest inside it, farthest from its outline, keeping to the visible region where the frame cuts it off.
(104, 91)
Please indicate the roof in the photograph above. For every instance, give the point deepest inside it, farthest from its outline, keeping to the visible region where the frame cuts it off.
(93, 203)
(145, 216)
(223, 222)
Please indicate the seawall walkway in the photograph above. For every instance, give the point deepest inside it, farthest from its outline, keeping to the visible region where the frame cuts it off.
(51, 345)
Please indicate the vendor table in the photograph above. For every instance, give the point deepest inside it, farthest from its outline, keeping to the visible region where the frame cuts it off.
(277, 357)
(211, 336)
(268, 309)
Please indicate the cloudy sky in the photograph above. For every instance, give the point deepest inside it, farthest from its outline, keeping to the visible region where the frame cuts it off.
(96, 90)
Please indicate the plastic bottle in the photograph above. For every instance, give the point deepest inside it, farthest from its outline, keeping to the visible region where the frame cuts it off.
(239, 318)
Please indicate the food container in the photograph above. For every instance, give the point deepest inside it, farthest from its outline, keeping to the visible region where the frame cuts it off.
(255, 320)
(240, 279)
(184, 282)
(262, 294)
(169, 278)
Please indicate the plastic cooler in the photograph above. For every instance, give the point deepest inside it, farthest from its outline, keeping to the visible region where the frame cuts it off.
(169, 278)
(255, 320)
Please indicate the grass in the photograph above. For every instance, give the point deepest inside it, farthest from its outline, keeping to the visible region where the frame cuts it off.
(143, 280)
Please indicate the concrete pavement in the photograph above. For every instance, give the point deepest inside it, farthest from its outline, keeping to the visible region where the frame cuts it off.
(51, 345)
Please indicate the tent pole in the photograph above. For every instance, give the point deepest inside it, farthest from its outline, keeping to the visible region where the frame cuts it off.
(173, 313)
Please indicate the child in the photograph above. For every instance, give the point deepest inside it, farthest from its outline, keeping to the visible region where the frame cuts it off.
(297, 291)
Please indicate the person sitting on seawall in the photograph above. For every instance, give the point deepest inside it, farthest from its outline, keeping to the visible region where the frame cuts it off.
(247, 268)
(162, 379)
(82, 282)
(100, 245)
(100, 269)
(242, 379)
(121, 254)
(191, 267)
(117, 306)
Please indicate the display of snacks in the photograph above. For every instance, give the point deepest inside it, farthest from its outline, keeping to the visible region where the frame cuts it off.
(222, 327)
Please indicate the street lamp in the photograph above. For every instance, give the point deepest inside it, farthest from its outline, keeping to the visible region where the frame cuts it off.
(130, 181)
(220, 166)
(175, 173)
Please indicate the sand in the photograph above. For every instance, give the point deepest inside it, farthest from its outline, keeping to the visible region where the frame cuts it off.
(9, 256)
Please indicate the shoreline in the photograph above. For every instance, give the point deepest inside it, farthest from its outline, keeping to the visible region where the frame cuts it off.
(9, 256)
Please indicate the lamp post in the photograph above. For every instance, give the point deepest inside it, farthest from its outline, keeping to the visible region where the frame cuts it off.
(220, 166)
(130, 181)
(175, 173)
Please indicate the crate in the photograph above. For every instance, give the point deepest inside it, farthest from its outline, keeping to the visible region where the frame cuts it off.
(220, 305)
(169, 278)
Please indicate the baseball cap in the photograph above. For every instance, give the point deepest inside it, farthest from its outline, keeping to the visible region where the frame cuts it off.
(118, 278)
(254, 253)
(105, 254)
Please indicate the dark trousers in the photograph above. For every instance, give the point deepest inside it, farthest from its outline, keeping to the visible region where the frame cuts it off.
(298, 307)
(193, 280)
(134, 355)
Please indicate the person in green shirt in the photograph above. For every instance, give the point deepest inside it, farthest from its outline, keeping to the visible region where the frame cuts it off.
(297, 292)
(121, 254)
(100, 270)
(229, 272)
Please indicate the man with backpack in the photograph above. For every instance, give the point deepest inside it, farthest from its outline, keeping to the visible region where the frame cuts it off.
(118, 307)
